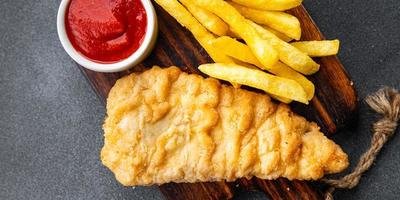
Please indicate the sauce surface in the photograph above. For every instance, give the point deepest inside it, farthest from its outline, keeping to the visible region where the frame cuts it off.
(106, 31)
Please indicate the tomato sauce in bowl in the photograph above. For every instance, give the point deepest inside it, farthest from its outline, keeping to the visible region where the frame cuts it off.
(106, 31)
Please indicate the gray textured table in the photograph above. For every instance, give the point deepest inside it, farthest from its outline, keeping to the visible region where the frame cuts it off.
(50, 119)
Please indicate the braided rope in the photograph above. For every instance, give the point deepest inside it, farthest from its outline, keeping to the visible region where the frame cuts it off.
(386, 102)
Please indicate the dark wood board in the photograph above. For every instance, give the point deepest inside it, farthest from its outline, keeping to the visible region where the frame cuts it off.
(334, 104)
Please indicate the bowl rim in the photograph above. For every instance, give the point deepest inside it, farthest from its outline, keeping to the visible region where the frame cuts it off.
(140, 54)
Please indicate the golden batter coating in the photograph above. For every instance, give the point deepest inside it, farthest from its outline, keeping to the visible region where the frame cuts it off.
(168, 126)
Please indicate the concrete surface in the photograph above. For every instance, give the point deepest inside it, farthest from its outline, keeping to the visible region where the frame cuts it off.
(50, 119)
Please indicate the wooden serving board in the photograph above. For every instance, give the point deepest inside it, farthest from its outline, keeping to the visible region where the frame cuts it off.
(334, 104)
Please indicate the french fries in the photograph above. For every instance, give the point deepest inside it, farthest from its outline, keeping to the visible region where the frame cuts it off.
(261, 48)
(281, 99)
(236, 49)
(206, 18)
(281, 87)
(280, 21)
(175, 9)
(243, 53)
(318, 48)
(288, 54)
(278, 34)
(283, 70)
(279, 5)
(266, 31)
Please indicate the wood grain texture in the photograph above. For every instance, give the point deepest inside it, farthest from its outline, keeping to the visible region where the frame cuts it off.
(334, 104)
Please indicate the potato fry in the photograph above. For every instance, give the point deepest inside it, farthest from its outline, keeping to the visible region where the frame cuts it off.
(247, 65)
(275, 85)
(242, 62)
(280, 21)
(210, 21)
(179, 12)
(288, 54)
(281, 99)
(279, 5)
(282, 70)
(318, 48)
(261, 48)
(236, 49)
(233, 34)
(243, 53)
(278, 34)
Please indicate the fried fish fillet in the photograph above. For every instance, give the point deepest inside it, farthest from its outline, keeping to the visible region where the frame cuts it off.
(168, 126)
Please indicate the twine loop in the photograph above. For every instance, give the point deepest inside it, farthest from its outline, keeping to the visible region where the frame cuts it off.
(387, 103)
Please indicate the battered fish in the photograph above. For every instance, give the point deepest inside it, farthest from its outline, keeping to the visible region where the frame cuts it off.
(168, 126)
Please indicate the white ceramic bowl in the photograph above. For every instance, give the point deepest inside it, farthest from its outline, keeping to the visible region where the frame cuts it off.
(139, 55)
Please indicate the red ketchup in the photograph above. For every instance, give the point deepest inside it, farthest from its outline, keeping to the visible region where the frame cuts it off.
(106, 31)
